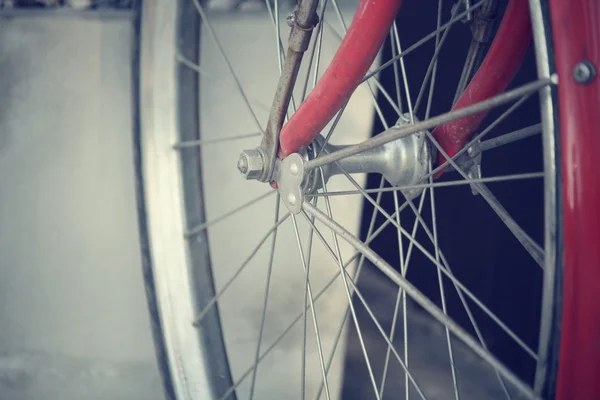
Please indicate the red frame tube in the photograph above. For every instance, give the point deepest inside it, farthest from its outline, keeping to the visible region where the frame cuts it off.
(576, 33)
(500, 65)
(357, 52)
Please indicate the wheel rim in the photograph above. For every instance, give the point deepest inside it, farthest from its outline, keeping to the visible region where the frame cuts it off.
(191, 373)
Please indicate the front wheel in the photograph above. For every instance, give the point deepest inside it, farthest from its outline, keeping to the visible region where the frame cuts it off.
(378, 288)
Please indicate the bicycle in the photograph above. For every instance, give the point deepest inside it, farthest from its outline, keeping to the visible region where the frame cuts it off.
(297, 162)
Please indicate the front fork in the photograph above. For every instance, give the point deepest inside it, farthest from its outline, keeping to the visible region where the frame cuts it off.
(351, 62)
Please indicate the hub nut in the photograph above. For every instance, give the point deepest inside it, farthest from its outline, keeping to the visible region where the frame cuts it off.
(250, 164)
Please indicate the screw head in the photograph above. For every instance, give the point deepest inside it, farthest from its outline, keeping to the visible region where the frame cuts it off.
(294, 169)
(250, 164)
(584, 72)
(290, 19)
(291, 198)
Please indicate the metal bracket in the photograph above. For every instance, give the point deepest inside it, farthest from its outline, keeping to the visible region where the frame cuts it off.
(474, 165)
(289, 183)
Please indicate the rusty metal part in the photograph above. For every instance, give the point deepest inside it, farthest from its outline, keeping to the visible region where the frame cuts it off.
(302, 27)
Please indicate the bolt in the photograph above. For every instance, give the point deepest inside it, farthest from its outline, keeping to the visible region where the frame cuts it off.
(294, 169)
(584, 72)
(250, 164)
(291, 198)
(290, 19)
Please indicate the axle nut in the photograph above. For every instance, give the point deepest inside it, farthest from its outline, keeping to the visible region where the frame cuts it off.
(250, 164)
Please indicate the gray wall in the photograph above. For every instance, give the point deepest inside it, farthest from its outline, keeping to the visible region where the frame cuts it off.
(72, 315)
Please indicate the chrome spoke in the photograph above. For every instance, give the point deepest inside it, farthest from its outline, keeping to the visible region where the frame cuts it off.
(441, 267)
(275, 20)
(400, 295)
(419, 43)
(435, 64)
(348, 278)
(265, 299)
(432, 64)
(404, 76)
(463, 182)
(370, 236)
(534, 249)
(298, 317)
(445, 269)
(458, 289)
(217, 296)
(304, 308)
(440, 281)
(348, 294)
(373, 97)
(316, 47)
(510, 137)
(391, 135)
(312, 308)
(396, 74)
(279, 45)
(380, 87)
(229, 66)
(205, 225)
(201, 142)
(196, 68)
(420, 298)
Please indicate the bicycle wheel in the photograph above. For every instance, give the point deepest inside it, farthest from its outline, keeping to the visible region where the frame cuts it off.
(250, 300)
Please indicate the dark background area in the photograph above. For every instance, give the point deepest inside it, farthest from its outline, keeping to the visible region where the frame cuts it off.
(483, 254)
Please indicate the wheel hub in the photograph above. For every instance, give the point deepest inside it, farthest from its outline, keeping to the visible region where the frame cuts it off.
(402, 162)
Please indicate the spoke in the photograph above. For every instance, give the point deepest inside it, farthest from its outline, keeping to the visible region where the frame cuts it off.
(534, 249)
(457, 288)
(504, 178)
(312, 307)
(275, 20)
(195, 67)
(201, 142)
(398, 133)
(419, 43)
(467, 69)
(218, 295)
(432, 64)
(348, 294)
(298, 317)
(401, 295)
(435, 64)
(205, 225)
(280, 49)
(377, 83)
(440, 281)
(420, 299)
(510, 137)
(303, 369)
(348, 278)
(441, 267)
(266, 299)
(316, 46)
(396, 74)
(481, 135)
(404, 76)
(396, 206)
(370, 236)
(229, 66)
(373, 97)
(445, 269)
